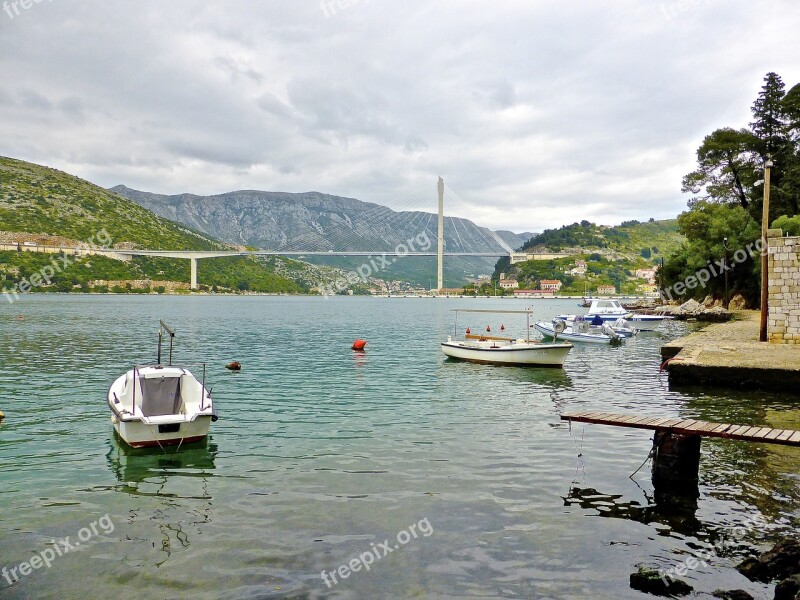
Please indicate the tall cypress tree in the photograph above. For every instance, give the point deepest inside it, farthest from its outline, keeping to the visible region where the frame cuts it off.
(771, 127)
(770, 124)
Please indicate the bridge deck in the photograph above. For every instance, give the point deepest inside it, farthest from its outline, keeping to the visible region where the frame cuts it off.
(768, 435)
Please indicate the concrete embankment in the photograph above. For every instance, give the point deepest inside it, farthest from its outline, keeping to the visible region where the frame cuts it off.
(730, 355)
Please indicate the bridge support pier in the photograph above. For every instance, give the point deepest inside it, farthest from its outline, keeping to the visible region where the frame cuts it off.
(440, 239)
(193, 280)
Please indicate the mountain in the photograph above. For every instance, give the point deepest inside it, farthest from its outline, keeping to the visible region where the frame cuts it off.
(313, 221)
(51, 207)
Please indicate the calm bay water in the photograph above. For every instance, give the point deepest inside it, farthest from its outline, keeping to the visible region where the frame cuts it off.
(321, 452)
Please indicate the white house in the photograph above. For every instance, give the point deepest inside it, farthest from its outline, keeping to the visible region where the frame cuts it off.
(509, 284)
(550, 284)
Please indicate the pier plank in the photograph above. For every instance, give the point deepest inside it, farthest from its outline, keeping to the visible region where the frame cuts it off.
(700, 426)
(739, 430)
(749, 433)
(762, 432)
(651, 421)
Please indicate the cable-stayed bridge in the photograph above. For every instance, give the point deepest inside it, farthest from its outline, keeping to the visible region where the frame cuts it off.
(344, 232)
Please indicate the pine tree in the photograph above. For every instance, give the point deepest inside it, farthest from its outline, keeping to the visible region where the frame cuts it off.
(770, 124)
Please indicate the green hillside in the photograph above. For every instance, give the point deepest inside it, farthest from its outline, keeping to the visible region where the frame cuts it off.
(59, 208)
(612, 255)
(631, 237)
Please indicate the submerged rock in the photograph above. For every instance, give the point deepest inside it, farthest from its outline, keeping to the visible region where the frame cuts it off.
(788, 589)
(652, 581)
(782, 562)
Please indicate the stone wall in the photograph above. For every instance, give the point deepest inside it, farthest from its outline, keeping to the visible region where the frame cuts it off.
(784, 288)
(169, 286)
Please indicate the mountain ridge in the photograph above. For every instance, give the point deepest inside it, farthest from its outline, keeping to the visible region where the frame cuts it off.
(314, 221)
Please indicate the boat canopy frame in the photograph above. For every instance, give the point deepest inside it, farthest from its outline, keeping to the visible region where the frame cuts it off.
(162, 327)
(527, 312)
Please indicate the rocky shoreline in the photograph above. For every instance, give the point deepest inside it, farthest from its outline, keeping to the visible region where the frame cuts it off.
(709, 310)
(780, 564)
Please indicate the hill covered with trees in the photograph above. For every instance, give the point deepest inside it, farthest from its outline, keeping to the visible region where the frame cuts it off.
(612, 255)
(41, 203)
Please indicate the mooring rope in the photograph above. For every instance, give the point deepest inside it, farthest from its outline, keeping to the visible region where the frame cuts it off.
(650, 455)
(579, 464)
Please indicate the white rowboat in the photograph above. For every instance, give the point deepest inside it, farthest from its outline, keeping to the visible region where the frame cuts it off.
(510, 352)
(160, 405)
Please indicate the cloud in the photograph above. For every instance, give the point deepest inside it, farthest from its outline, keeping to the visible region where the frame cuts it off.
(537, 114)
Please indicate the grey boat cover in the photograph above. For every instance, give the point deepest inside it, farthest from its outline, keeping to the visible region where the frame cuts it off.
(160, 396)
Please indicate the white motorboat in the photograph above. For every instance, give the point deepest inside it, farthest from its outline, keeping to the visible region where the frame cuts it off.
(621, 326)
(160, 405)
(578, 331)
(487, 349)
(611, 310)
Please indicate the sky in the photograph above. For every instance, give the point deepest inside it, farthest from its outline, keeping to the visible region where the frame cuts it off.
(537, 114)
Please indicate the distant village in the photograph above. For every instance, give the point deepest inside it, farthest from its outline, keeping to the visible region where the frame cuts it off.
(507, 285)
(549, 287)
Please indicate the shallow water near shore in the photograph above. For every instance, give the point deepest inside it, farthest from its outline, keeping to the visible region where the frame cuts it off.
(321, 454)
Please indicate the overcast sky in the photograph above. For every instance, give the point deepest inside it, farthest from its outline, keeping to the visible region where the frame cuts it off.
(537, 114)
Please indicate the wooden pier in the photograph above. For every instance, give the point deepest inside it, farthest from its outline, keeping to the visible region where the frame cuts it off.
(676, 446)
(747, 433)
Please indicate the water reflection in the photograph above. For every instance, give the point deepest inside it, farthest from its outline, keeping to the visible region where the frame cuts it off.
(545, 378)
(176, 481)
(137, 465)
(673, 513)
(359, 358)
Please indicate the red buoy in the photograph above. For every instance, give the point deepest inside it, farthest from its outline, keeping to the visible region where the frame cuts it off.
(468, 331)
(359, 344)
(488, 328)
(502, 327)
(234, 366)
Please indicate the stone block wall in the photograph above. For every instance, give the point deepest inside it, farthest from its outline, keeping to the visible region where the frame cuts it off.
(783, 326)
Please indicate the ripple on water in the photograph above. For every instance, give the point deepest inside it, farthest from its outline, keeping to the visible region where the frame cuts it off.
(322, 453)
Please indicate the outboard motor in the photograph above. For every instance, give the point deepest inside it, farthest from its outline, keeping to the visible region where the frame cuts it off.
(606, 329)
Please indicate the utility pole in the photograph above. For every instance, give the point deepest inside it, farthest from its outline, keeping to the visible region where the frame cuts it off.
(725, 266)
(440, 249)
(762, 336)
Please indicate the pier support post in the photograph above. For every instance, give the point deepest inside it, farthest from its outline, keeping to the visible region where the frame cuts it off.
(193, 280)
(676, 464)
